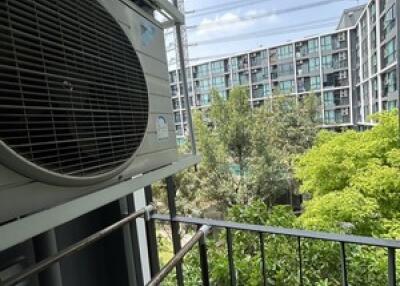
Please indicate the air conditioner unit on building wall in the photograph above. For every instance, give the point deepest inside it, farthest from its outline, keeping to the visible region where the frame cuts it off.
(85, 102)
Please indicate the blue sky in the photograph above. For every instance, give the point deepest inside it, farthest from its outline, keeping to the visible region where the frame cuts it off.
(274, 21)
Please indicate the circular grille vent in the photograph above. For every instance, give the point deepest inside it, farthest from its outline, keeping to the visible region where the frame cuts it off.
(73, 97)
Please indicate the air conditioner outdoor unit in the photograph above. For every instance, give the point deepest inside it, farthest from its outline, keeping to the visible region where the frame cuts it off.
(84, 102)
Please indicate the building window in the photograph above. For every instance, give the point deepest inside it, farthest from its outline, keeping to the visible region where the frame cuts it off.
(258, 58)
(177, 117)
(313, 46)
(313, 64)
(201, 71)
(285, 69)
(326, 43)
(392, 104)
(172, 77)
(240, 62)
(328, 99)
(243, 78)
(389, 53)
(363, 24)
(218, 82)
(372, 12)
(259, 75)
(217, 67)
(389, 83)
(286, 86)
(261, 91)
(374, 64)
(373, 38)
(175, 104)
(329, 116)
(202, 85)
(374, 84)
(365, 70)
(285, 52)
(327, 62)
(174, 90)
(315, 82)
(388, 22)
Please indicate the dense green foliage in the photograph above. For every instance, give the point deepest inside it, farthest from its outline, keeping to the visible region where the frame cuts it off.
(352, 179)
(247, 154)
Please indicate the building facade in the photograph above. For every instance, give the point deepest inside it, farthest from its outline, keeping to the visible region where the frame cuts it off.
(352, 70)
(171, 42)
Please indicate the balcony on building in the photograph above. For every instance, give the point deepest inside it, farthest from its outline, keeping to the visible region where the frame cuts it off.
(258, 59)
(305, 49)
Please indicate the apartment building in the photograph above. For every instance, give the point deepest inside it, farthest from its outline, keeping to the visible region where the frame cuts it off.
(352, 70)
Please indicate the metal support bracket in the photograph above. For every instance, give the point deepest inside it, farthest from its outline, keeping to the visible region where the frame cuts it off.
(148, 210)
(206, 230)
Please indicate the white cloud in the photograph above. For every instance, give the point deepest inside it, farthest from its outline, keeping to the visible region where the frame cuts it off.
(272, 18)
(216, 26)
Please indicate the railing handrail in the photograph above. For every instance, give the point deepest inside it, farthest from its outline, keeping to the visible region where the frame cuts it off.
(318, 235)
(78, 246)
(178, 257)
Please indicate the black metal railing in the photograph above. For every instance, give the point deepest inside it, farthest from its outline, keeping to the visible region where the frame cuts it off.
(298, 235)
(204, 226)
(262, 231)
(199, 237)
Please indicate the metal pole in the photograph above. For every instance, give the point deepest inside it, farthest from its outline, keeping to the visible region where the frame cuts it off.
(343, 263)
(300, 260)
(263, 263)
(176, 240)
(181, 54)
(204, 261)
(201, 233)
(128, 246)
(151, 237)
(46, 263)
(391, 266)
(135, 241)
(46, 246)
(232, 271)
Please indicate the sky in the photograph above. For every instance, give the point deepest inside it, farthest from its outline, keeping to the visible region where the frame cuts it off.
(273, 24)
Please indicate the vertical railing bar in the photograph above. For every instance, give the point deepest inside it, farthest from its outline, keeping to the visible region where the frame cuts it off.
(232, 270)
(263, 265)
(300, 260)
(176, 240)
(343, 263)
(204, 261)
(391, 266)
(135, 241)
(151, 234)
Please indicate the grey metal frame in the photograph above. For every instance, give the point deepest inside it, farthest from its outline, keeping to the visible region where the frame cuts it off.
(25, 228)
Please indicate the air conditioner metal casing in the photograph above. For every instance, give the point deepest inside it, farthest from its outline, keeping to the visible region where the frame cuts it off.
(23, 192)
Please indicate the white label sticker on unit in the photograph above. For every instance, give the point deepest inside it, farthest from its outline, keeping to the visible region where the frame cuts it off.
(162, 128)
(147, 33)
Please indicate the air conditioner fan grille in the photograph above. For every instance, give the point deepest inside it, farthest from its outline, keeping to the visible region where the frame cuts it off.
(73, 97)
